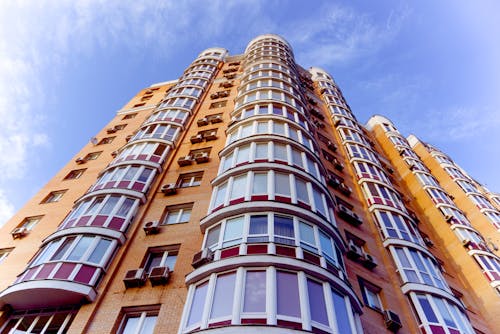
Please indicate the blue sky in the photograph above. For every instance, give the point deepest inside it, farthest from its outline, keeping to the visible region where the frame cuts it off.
(66, 67)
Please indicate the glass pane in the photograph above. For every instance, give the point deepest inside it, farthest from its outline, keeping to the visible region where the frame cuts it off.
(109, 205)
(317, 302)
(197, 304)
(170, 261)
(131, 325)
(261, 151)
(302, 193)
(443, 310)
(223, 296)
(282, 184)
(288, 294)
(186, 214)
(98, 253)
(239, 187)
(326, 245)
(341, 313)
(148, 325)
(212, 236)
(62, 249)
(259, 183)
(283, 227)
(233, 232)
(125, 208)
(307, 233)
(258, 224)
(172, 217)
(428, 311)
(82, 246)
(255, 292)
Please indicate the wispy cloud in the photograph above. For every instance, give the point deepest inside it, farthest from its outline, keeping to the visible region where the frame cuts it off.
(340, 34)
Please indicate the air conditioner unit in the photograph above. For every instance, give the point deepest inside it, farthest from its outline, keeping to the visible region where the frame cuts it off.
(216, 119)
(333, 181)
(212, 135)
(338, 165)
(202, 121)
(134, 278)
(214, 96)
(449, 218)
(428, 242)
(110, 130)
(345, 189)
(369, 261)
(114, 153)
(331, 146)
(392, 321)
(159, 275)
(169, 189)
(348, 215)
(19, 232)
(203, 257)
(152, 227)
(201, 157)
(185, 161)
(226, 84)
(196, 139)
(354, 252)
(80, 160)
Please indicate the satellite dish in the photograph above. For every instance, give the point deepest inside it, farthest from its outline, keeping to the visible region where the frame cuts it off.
(93, 140)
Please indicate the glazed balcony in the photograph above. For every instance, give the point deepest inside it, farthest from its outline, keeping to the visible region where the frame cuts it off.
(66, 270)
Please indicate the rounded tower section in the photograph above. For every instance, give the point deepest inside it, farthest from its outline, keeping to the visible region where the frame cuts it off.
(272, 253)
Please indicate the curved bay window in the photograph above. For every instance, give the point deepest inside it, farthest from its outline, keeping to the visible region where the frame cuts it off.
(269, 296)
(271, 126)
(288, 233)
(169, 115)
(272, 185)
(146, 151)
(396, 226)
(110, 211)
(79, 258)
(272, 109)
(383, 195)
(439, 316)
(270, 151)
(167, 132)
(132, 177)
(417, 267)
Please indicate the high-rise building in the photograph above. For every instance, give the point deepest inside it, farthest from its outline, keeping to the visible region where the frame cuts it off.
(245, 197)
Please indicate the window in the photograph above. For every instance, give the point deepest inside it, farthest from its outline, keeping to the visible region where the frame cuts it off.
(89, 249)
(54, 196)
(371, 294)
(190, 180)
(30, 222)
(218, 104)
(92, 155)
(164, 256)
(177, 214)
(139, 320)
(75, 174)
(4, 253)
(129, 116)
(39, 321)
(106, 140)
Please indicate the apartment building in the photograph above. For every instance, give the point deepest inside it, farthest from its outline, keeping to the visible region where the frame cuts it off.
(245, 197)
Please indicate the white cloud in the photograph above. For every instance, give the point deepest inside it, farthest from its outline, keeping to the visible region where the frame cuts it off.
(6, 209)
(340, 34)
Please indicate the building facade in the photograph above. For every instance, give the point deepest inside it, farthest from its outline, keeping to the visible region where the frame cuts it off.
(245, 197)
